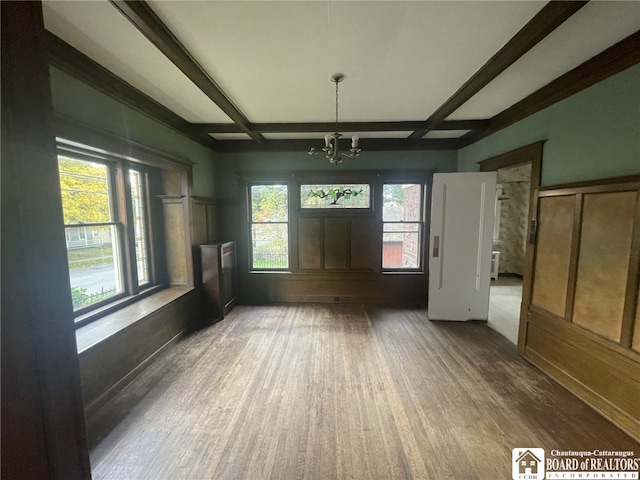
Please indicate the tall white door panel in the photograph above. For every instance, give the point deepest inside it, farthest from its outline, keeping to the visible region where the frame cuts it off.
(461, 238)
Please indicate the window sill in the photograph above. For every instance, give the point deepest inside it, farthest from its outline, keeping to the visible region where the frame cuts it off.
(114, 306)
(260, 272)
(90, 335)
(332, 273)
(403, 272)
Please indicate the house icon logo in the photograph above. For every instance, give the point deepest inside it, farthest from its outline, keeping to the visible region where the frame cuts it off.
(527, 463)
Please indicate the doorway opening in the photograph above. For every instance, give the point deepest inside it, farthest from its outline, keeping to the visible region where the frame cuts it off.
(518, 175)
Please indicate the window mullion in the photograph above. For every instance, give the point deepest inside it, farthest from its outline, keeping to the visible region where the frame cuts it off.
(125, 214)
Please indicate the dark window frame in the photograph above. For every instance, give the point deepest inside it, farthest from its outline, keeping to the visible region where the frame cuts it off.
(120, 201)
(295, 179)
(250, 222)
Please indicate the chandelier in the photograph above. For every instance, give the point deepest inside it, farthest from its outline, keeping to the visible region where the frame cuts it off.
(331, 149)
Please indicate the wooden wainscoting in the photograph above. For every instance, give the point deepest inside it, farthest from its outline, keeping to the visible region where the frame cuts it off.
(377, 288)
(338, 243)
(582, 326)
(141, 330)
(335, 254)
(178, 229)
(204, 219)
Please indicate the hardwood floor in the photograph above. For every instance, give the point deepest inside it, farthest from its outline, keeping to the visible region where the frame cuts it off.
(505, 297)
(337, 391)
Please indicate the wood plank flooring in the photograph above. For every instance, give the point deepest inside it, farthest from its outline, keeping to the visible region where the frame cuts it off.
(337, 391)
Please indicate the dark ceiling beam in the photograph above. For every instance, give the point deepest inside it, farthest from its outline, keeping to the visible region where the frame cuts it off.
(615, 59)
(344, 126)
(367, 145)
(78, 65)
(552, 15)
(144, 19)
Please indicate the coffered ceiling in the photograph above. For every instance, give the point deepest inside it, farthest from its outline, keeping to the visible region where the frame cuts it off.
(254, 75)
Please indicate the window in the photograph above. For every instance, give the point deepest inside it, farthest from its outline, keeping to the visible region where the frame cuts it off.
(269, 226)
(335, 196)
(106, 228)
(402, 218)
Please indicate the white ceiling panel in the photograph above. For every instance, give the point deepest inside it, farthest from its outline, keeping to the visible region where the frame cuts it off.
(98, 30)
(595, 27)
(345, 135)
(297, 135)
(230, 136)
(402, 60)
(377, 134)
(445, 133)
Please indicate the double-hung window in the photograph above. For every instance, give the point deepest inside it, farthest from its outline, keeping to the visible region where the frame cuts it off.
(106, 214)
(403, 225)
(269, 226)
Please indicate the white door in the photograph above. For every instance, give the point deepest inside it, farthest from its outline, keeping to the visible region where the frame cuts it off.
(462, 215)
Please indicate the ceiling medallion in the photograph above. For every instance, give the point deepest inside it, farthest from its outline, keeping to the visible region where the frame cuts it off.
(331, 149)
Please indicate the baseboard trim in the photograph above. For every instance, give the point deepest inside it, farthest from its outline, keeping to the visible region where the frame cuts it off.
(597, 402)
(356, 299)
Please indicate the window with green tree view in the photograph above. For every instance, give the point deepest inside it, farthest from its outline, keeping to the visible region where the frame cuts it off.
(269, 226)
(106, 229)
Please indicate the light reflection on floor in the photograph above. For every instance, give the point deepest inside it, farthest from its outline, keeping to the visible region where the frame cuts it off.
(504, 306)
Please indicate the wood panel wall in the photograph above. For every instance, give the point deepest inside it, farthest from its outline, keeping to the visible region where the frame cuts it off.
(603, 262)
(204, 213)
(179, 229)
(361, 287)
(204, 230)
(331, 243)
(583, 323)
(117, 357)
(553, 254)
(107, 366)
(636, 322)
(335, 255)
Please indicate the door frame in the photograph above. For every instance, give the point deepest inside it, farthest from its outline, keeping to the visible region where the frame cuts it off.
(531, 153)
